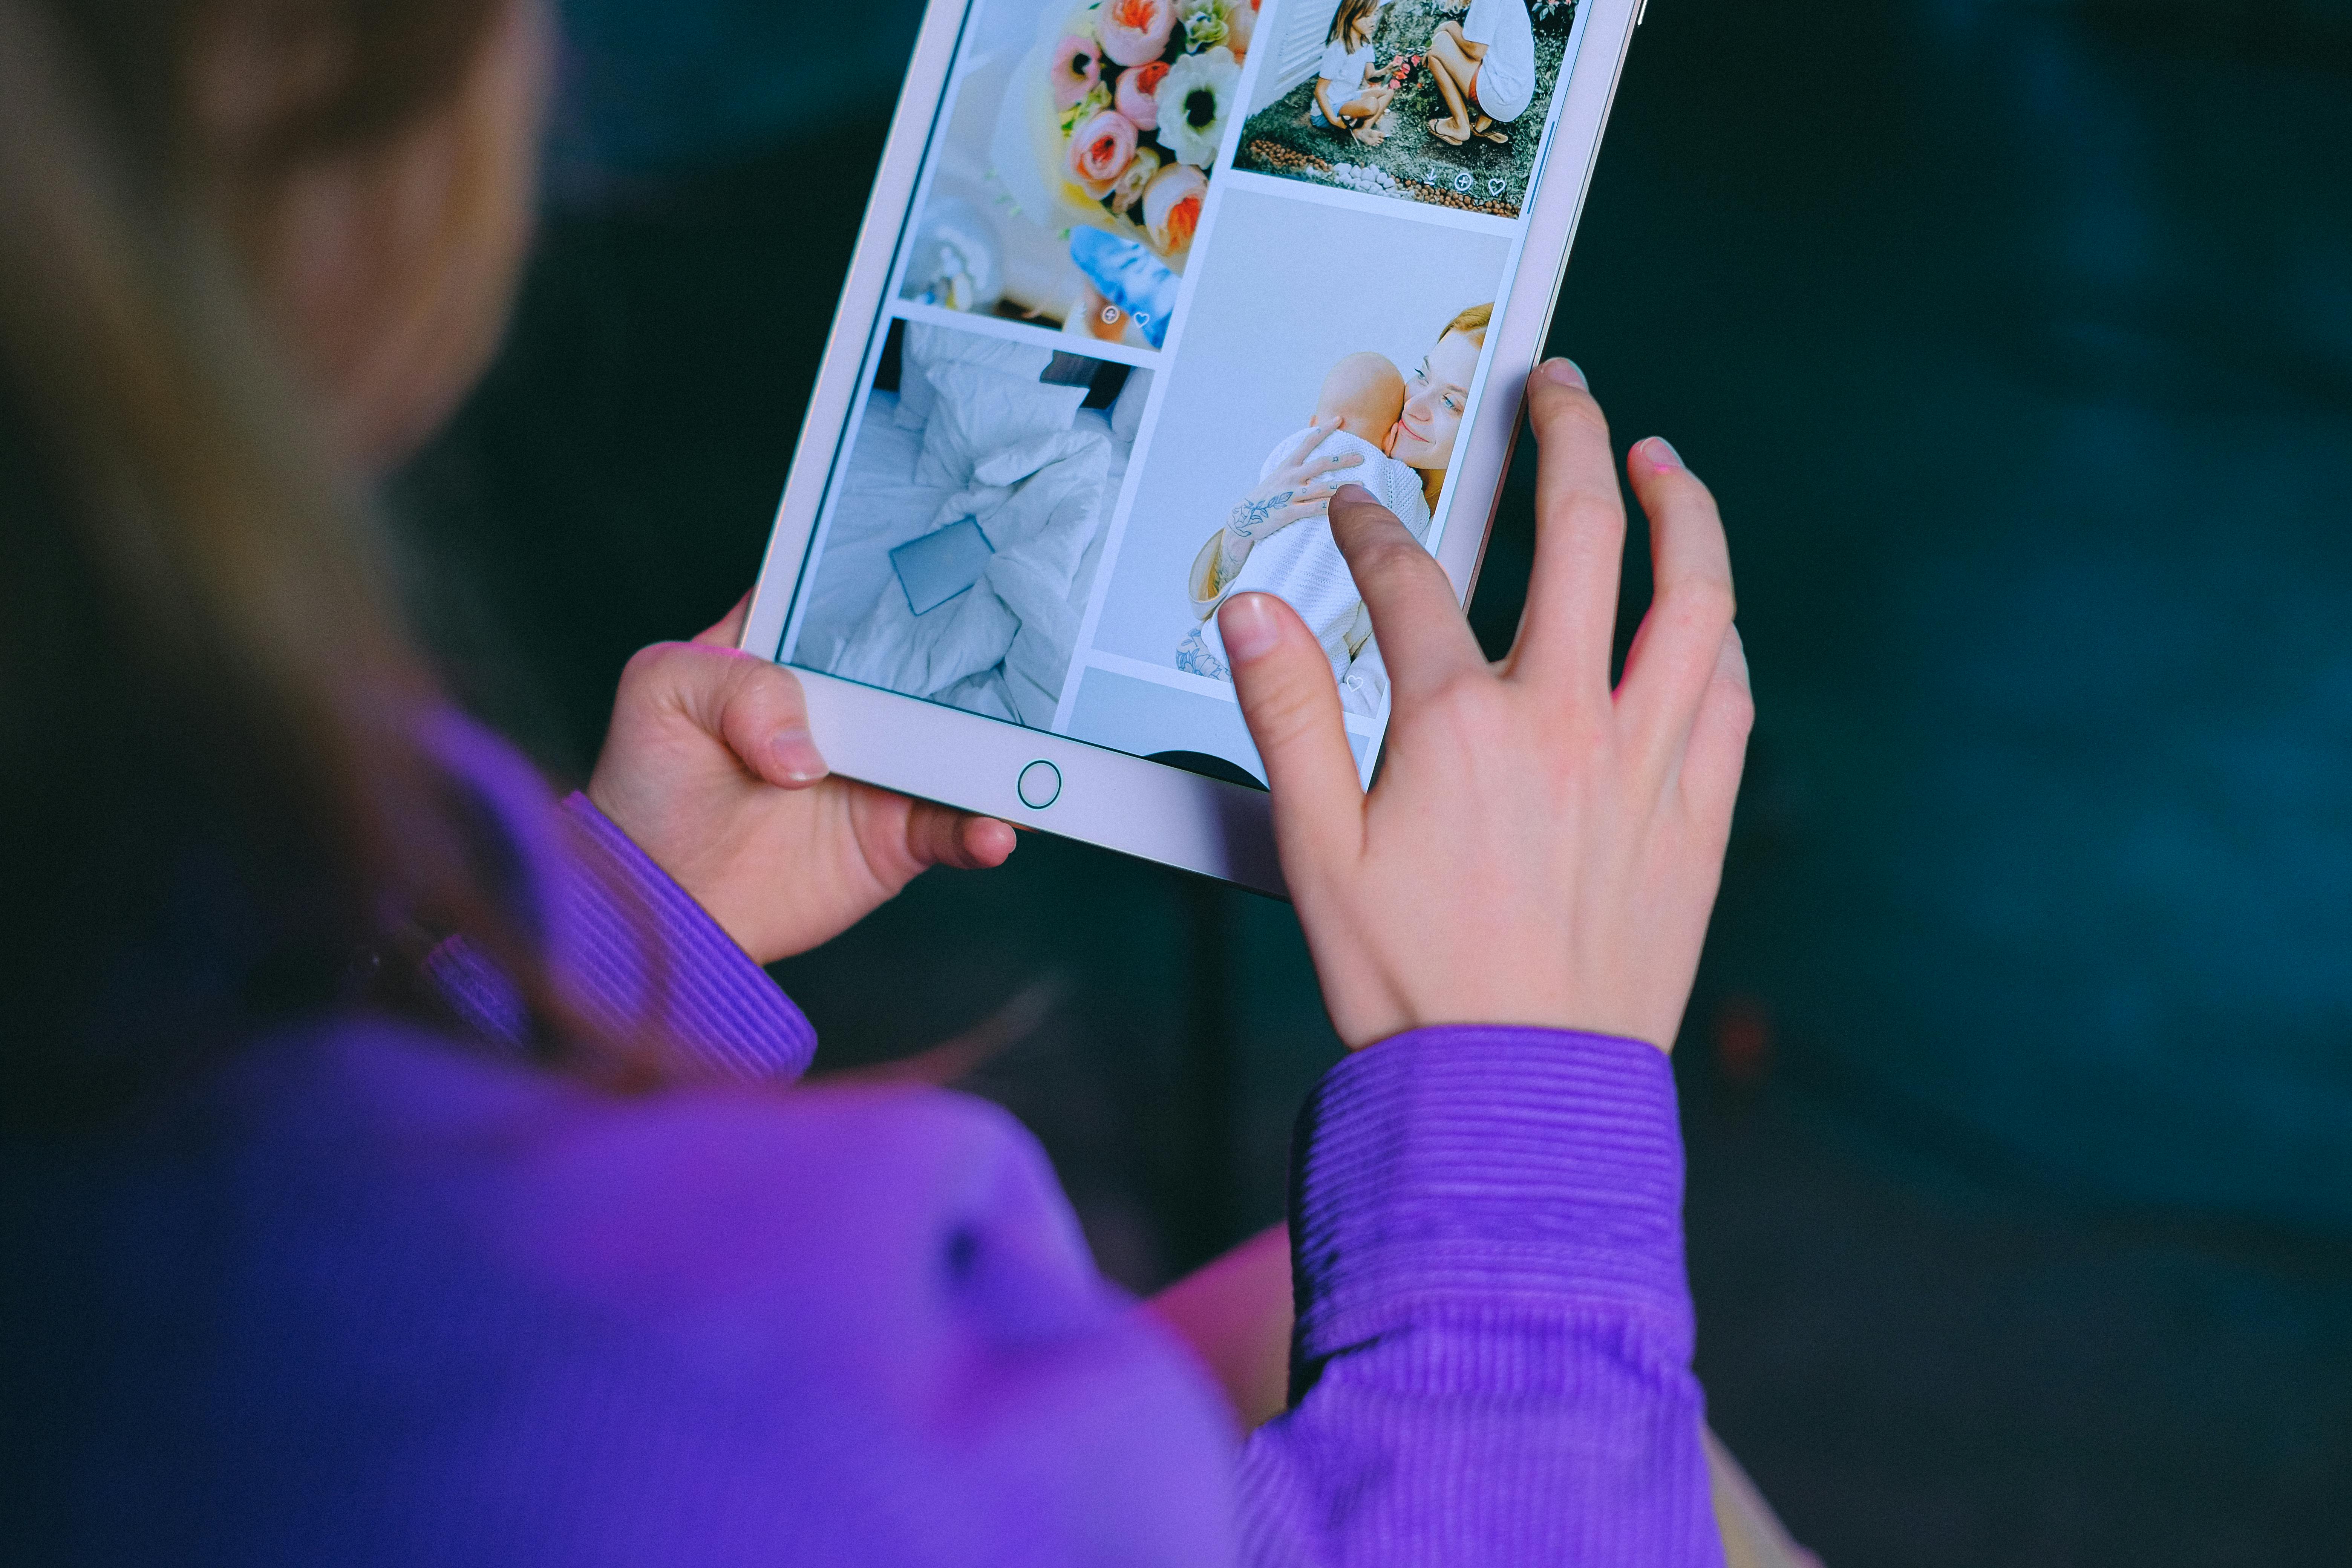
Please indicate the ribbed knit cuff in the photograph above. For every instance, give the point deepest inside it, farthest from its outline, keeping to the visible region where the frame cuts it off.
(622, 931)
(1490, 1171)
(620, 938)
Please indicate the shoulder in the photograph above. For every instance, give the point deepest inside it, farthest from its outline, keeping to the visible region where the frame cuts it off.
(417, 1296)
(561, 1189)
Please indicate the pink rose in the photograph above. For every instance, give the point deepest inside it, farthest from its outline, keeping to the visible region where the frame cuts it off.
(1172, 207)
(1133, 94)
(1075, 69)
(1136, 31)
(1241, 21)
(1101, 150)
(1128, 189)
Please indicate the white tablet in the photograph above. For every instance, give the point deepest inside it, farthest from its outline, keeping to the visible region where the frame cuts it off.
(1125, 264)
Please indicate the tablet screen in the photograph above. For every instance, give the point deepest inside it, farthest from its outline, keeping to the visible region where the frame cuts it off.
(1171, 267)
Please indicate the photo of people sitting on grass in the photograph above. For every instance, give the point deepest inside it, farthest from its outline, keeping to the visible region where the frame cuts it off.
(1420, 100)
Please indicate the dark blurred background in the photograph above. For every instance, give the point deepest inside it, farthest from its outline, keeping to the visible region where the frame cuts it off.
(2016, 339)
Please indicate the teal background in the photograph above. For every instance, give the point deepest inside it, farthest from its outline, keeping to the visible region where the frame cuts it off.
(2016, 339)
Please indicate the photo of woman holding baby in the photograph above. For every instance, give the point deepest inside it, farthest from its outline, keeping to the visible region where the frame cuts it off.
(1374, 426)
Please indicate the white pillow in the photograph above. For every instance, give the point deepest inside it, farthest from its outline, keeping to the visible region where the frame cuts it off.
(922, 347)
(1127, 408)
(978, 412)
(1008, 466)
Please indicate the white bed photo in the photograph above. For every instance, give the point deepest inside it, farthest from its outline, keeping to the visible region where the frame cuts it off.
(971, 515)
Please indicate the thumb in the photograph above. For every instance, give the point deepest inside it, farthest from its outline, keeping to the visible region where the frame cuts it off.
(752, 707)
(764, 721)
(1292, 707)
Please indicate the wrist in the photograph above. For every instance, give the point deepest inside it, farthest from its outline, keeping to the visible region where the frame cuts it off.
(686, 857)
(614, 804)
(1361, 1027)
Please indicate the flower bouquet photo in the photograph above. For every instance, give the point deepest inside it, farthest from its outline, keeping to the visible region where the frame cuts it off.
(1112, 126)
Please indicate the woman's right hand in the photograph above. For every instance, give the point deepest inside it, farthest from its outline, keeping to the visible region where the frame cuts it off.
(1538, 849)
(1297, 487)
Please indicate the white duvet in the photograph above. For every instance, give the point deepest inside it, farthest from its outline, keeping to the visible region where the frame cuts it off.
(1038, 503)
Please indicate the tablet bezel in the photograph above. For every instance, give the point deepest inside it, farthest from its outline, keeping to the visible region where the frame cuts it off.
(1104, 796)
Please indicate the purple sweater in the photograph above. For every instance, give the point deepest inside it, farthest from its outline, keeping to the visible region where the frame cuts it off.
(372, 1295)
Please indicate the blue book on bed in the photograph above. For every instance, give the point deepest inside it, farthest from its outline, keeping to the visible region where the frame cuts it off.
(941, 565)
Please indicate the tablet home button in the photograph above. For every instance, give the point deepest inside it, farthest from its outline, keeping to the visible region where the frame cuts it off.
(1040, 785)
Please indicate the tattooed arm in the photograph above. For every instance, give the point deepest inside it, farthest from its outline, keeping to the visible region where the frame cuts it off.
(1296, 487)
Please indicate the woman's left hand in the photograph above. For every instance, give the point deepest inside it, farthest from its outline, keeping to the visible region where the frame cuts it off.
(1298, 487)
(709, 767)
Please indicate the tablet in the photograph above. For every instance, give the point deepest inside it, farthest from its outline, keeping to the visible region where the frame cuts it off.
(1125, 266)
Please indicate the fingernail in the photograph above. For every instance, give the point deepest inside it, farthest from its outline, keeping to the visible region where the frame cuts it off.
(796, 753)
(1566, 371)
(1662, 455)
(1248, 625)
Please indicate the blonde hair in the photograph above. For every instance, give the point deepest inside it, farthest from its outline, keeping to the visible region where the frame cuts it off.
(1471, 324)
(200, 666)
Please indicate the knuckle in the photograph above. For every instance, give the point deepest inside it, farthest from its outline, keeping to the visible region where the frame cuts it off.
(650, 662)
(1470, 694)
(770, 685)
(1581, 511)
(1584, 506)
(1736, 703)
(1284, 712)
(1703, 603)
(1385, 554)
(1680, 502)
(1469, 704)
(1564, 411)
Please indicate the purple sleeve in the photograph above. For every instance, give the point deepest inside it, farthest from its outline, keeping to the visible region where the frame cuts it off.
(629, 945)
(1492, 1361)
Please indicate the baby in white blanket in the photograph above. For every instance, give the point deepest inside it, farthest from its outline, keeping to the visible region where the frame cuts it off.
(1300, 564)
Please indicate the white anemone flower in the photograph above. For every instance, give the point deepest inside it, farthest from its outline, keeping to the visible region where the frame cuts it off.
(1193, 99)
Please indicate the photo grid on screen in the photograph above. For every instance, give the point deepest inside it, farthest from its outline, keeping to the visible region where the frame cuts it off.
(1174, 270)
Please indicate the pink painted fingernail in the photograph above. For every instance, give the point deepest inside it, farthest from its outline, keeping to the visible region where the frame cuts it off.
(1567, 373)
(1249, 626)
(796, 753)
(1662, 455)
